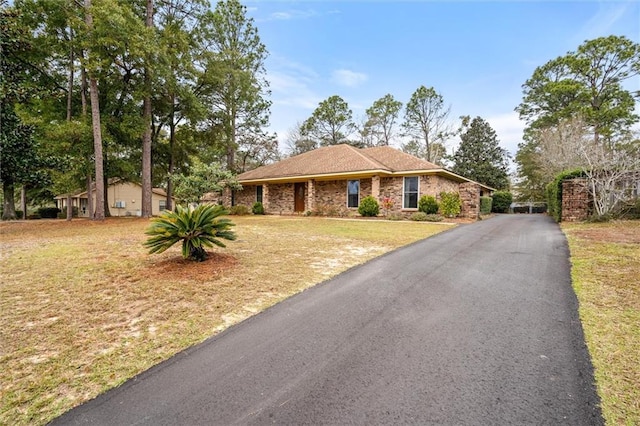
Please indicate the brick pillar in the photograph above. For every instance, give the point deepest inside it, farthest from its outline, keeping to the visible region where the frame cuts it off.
(470, 199)
(375, 187)
(575, 200)
(265, 197)
(311, 195)
(226, 197)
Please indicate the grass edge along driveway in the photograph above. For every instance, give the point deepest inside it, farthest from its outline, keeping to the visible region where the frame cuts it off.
(605, 260)
(83, 307)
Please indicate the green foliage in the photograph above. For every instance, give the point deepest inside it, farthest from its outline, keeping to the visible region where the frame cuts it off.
(501, 201)
(257, 208)
(48, 212)
(428, 204)
(486, 204)
(554, 192)
(450, 204)
(239, 210)
(425, 123)
(419, 216)
(479, 156)
(588, 83)
(330, 123)
(381, 118)
(202, 179)
(196, 228)
(369, 206)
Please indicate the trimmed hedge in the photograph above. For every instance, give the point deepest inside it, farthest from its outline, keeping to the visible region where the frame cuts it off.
(554, 192)
(257, 208)
(501, 201)
(48, 212)
(485, 205)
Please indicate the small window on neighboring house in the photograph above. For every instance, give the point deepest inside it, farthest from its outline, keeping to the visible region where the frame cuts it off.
(353, 193)
(233, 198)
(162, 205)
(259, 193)
(410, 193)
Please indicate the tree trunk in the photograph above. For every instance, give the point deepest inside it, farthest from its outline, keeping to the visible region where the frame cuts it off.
(105, 186)
(146, 138)
(9, 207)
(97, 130)
(89, 196)
(69, 207)
(172, 141)
(23, 201)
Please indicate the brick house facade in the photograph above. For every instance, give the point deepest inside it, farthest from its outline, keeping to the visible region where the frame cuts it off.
(336, 178)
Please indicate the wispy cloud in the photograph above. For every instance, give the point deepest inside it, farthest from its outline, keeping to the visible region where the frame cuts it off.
(348, 78)
(604, 21)
(294, 14)
(509, 128)
(291, 83)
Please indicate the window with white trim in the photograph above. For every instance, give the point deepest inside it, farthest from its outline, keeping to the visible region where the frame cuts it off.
(411, 189)
(162, 205)
(353, 193)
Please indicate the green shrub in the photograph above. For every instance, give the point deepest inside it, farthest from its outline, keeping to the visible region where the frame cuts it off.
(501, 201)
(19, 214)
(198, 228)
(369, 206)
(419, 216)
(428, 204)
(239, 210)
(48, 212)
(485, 205)
(257, 208)
(554, 192)
(395, 216)
(434, 218)
(450, 204)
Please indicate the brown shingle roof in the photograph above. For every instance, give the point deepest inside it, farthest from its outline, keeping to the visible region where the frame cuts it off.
(339, 159)
(398, 161)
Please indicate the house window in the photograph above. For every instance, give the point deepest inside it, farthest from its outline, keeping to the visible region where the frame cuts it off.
(410, 193)
(259, 193)
(162, 205)
(353, 193)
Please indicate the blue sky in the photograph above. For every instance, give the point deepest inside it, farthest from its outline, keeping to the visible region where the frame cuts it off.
(477, 54)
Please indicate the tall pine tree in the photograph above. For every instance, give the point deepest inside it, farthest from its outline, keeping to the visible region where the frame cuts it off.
(480, 156)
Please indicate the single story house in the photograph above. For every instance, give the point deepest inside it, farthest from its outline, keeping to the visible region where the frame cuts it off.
(339, 176)
(124, 198)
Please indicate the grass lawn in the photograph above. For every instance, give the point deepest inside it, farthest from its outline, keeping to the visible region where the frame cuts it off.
(606, 278)
(83, 307)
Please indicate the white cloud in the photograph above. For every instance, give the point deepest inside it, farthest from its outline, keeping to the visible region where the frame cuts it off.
(509, 128)
(348, 78)
(604, 22)
(287, 15)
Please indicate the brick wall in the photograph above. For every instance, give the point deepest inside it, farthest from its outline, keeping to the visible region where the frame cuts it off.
(281, 198)
(246, 197)
(470, 200)
(575, 200)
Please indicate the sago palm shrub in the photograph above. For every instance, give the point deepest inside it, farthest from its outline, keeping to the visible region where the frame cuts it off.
(196, 228)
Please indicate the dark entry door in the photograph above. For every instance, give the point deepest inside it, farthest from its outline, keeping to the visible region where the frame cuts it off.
(299, 197)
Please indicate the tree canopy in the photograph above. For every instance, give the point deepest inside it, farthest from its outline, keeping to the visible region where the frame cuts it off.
(479, 156)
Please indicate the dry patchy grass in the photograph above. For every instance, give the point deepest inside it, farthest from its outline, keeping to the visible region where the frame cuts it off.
(83, 307)
(606, 271)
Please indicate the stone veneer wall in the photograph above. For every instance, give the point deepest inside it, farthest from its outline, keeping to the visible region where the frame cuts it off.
(575, 200)
(246, 197)
(281, 199)
(470, 200)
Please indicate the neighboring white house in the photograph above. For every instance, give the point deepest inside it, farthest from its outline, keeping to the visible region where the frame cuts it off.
(125, 199)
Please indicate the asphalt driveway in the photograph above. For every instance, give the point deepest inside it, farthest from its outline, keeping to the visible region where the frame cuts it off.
(475, 326)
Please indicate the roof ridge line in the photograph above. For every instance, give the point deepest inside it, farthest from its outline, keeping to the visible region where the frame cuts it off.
(369, 159)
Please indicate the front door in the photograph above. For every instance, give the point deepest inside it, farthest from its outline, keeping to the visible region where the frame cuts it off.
(298, 197)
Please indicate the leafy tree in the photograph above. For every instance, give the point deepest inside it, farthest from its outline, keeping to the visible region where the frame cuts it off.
(198, 228)
(331, 122)
(203, 178)
(298, 141)
(381, 119)
(425, 121)
(479, 156)
(501, 201)
(587, 82)
(234, 83)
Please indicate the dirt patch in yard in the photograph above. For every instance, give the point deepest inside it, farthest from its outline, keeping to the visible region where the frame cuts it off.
(177, 267)
(610, 233)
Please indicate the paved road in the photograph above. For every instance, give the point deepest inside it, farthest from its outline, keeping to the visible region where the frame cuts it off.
(475, 326)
